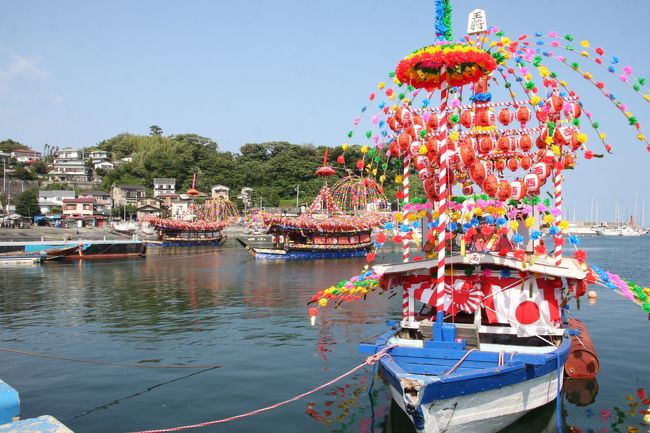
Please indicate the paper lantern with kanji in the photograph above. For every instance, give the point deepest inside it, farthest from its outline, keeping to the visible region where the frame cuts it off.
(532, 182)
(422, 166)
(563, 135)
(517, 190)
(403, 115)
(542, 170)
(554, 106)
(572, 110)
(414, 148)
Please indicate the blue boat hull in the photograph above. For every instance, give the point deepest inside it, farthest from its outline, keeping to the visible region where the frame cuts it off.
(264, 254)
(440, 385)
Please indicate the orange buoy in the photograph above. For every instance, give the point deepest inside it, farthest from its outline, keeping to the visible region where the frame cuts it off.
(582, 361)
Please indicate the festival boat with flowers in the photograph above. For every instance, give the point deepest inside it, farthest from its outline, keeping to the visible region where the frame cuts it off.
(484, 335)
(325, 230)
(200, 225)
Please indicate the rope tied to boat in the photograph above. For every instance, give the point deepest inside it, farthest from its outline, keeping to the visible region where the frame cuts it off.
(460, 361)
(372, 359)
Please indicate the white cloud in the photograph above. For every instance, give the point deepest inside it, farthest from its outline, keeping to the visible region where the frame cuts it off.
(21, 67)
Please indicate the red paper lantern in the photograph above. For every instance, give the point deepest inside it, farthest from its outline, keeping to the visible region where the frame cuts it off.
(569, 161)
(525, 143)
(505, 116)
(500, 164)
(394, 124)
(504, 190)
(467, 118)
(484, 118)
(526, 162)
(478, 171)
(433, 122)
(466, 154)
(513, 164)
(490, 185)
(504, 143)
(404, 140)
(486, 144)
(554, 104)
(419, 121)
(523, 115)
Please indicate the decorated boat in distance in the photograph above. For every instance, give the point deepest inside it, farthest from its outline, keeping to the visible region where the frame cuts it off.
(325, 230)
(198, 225)
(484, 334)
(178, 233)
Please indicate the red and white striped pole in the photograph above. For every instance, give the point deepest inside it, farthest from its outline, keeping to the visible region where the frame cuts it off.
(557, 179)
(442, 184)
(408, 302)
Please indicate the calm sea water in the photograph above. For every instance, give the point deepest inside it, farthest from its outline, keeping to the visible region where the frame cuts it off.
(221, 307)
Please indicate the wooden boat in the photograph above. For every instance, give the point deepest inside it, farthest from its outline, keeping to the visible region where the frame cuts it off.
(97, 250)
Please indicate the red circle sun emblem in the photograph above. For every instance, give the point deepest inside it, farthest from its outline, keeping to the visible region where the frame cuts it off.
(527, 313)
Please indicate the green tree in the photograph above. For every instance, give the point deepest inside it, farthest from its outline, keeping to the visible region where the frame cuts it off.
(27, 203)
(39, 167)
(22, 173)
(155, 130)
(10, 145)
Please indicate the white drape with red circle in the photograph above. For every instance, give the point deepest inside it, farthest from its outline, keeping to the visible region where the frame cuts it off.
(509, 301)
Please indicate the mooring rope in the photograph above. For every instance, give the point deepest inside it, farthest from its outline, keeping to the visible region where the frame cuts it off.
(369, 361)
(112, 364)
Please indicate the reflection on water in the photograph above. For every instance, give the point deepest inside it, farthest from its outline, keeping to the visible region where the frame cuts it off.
(207, 306)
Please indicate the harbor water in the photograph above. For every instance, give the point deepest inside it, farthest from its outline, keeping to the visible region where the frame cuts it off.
(245, 324)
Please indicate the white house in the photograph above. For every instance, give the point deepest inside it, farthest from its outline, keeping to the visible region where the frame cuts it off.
(164, 185)
(104, 165)
(68, 154)
(98, 155)
(73, 170)
(26, 155)
(49, 199)
(103, 202)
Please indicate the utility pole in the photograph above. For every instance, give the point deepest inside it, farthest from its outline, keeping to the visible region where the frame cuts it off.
(297, 194)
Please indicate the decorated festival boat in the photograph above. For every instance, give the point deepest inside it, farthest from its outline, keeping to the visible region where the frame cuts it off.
(484, 334)
(325, 230)
(199, 225)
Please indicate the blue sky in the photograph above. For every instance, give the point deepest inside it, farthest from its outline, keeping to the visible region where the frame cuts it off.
(73, 73)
